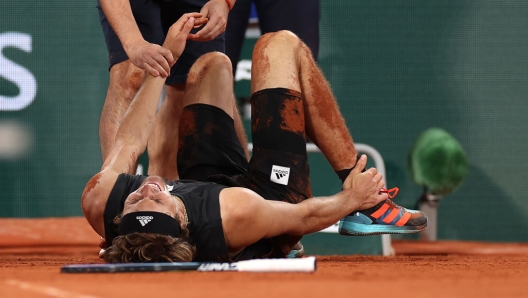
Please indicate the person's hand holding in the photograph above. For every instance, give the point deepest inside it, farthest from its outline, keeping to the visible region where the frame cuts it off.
(364, 187)
(153, 58)
(102, 242)
(216, 11)
(179, 33)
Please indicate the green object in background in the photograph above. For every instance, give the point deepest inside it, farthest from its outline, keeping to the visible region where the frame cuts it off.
(437, 162)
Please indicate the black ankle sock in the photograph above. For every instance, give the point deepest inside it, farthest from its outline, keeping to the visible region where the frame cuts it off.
(343, 174)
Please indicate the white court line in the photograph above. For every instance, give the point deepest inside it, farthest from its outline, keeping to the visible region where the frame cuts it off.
(46, 290)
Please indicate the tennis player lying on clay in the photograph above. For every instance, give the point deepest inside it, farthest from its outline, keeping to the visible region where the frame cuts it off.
(225, 208)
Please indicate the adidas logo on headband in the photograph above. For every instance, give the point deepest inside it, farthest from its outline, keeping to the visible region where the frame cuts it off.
(149, 222)
(143, 220)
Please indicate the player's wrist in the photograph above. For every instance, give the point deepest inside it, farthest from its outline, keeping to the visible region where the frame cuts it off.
(129, 44)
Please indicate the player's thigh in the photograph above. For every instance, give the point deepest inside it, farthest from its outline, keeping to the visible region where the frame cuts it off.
(279, 141)
(208, 144)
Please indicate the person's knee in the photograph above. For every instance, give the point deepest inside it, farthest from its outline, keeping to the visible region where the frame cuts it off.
(210, 81)
(278, 39)
(126, 79)
(210, 62)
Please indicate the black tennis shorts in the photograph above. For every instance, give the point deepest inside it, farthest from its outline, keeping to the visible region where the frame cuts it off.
(209, 149)
(154, 18)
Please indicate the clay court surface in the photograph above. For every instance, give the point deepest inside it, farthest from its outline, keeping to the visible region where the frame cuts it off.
(32, 252)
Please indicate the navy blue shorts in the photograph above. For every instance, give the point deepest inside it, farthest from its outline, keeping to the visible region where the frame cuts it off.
(154, 19)
(298, 16)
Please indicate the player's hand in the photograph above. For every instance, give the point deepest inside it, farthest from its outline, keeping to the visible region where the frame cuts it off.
(151, 57)
(179, 33)
(216, 11)
(365, 187)
(102, 242)
(103, 246)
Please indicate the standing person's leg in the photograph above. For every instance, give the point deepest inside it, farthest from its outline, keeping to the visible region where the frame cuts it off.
(237, 24)
(125, 78)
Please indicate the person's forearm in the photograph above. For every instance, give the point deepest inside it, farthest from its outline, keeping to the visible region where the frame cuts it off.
(138, 121)
(120, 17)
(321, 212)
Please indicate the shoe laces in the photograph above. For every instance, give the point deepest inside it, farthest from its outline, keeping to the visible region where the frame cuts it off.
(390, 192)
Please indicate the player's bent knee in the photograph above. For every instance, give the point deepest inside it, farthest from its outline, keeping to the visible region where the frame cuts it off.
(282, 34)
(213, 62)
(213, 59)
(279, 38)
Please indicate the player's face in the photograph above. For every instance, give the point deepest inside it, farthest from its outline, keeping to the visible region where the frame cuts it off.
(152, 195)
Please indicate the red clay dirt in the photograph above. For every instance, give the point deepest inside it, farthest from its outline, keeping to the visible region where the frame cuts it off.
(31, 255)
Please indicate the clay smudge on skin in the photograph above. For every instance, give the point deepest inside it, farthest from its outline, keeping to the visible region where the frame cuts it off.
(90, 186)
(326, 104)
(327, 116)
(262, 63)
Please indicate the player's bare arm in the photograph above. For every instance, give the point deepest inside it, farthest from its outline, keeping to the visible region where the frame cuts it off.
(260, 218)
(133, 133)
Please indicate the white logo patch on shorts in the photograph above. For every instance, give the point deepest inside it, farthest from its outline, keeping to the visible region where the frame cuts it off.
(280, 175)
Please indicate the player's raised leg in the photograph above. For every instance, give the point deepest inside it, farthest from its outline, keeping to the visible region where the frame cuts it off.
(281, 59)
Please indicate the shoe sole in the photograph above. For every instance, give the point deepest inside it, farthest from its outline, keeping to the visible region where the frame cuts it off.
(294, 254)
(357, 229)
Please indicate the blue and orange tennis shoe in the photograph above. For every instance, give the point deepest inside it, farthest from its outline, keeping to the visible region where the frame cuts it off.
(385, 218)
